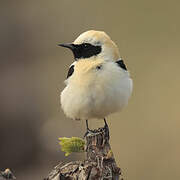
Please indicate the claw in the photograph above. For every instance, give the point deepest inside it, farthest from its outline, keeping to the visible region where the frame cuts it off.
(87, 129)
(86, 133)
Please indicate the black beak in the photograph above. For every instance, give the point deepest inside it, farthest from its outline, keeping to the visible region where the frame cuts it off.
(70, 46)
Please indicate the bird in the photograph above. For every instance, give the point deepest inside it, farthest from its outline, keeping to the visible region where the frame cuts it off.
(98, 82)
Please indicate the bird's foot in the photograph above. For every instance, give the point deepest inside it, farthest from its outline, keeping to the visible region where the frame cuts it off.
(87, 132)
(106, 128)
(87, 129)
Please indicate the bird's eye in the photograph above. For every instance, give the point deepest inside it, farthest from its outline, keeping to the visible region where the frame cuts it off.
(99, 67)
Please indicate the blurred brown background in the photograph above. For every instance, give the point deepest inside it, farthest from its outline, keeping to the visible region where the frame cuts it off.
(144, 137)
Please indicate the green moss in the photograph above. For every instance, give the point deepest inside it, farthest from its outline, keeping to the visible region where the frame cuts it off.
(73, 144)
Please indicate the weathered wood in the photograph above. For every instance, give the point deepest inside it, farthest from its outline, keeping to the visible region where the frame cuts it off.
(98, 165)
(7, 174)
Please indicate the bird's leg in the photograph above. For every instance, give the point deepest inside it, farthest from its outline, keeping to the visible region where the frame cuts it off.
(87, 129)
(106, 128)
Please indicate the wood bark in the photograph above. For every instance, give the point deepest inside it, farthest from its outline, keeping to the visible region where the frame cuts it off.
(7, 174)
(98, 165)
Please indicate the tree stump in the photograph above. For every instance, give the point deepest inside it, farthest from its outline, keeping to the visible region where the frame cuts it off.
(98, 165)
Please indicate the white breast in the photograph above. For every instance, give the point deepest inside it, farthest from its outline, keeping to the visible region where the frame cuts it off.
(102, 93)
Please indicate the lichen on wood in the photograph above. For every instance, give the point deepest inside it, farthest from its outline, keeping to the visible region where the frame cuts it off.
(69, 145)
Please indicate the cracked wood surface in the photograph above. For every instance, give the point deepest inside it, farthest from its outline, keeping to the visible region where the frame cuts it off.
(98, 165)
(7, 174)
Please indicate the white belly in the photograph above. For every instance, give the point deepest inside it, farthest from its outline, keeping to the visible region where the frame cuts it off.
(105, 94)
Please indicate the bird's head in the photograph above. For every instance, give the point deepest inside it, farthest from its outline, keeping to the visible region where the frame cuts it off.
(94, 44)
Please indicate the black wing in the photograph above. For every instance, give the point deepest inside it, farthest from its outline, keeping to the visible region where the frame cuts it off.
(70, 72)
(121, 64)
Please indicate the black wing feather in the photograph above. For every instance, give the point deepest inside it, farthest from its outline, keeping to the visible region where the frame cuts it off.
(70, 72)
(121, 64)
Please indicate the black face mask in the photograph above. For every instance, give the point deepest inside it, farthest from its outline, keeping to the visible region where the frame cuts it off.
(84, 50)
